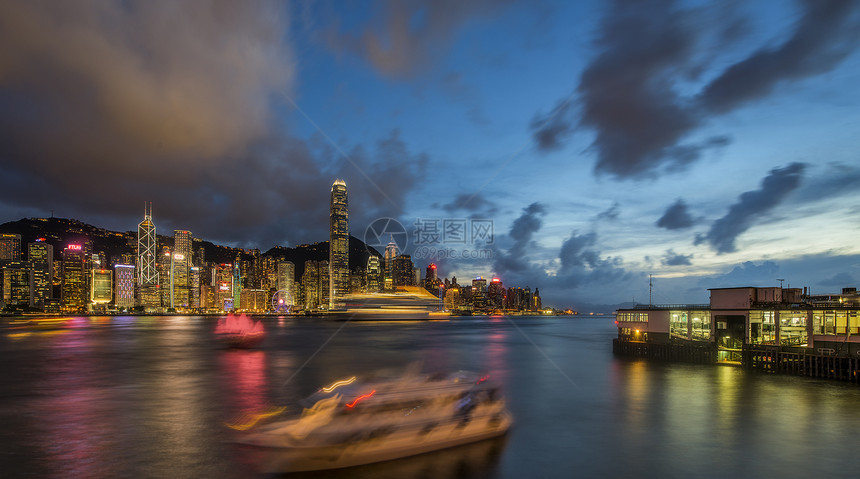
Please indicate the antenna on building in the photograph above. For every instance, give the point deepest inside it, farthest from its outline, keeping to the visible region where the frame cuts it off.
(780, 282)
(650, 285)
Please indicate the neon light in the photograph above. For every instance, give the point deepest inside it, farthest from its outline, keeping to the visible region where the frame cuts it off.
(363, 396)
(483, 379)
(432, 266)
(338, 384)
(179, 256)
(496, 280)
(39, 240)
(75, 247)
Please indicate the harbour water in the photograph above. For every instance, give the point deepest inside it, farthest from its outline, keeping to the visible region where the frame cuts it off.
(151, 397)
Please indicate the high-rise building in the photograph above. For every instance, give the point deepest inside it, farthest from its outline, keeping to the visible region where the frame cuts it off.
(16, 278)
(287, 283)
(338, 257)
(496, 294)
(147, 272)
(479, 293)
(41, 257)
(390, 254)
(73, 290)
(123, 286)
(182, 244)
(10, 247)
(315, 283)
(222, 279)
(403, 271)
(194, 288)
(374, 275)
(101, 286)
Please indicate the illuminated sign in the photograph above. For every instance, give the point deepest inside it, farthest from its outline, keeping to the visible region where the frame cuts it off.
(74, 247)
(39, 240)
(496, 280)
(432, 266)
(224, 286)
(179, 256)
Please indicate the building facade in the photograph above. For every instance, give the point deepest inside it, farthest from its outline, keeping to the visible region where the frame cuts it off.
(123, 275)
(338, 243)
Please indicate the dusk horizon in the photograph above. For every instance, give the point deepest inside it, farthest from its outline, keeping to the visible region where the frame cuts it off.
(608, 153)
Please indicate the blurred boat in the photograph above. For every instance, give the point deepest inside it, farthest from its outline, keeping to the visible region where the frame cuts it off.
(353, 422)
(240, 331)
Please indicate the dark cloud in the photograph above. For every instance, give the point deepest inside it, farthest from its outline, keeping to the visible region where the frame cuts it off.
(824, 36)
(405, 38)
(105, 105)
(752, 205)
(676, 217)
(747, 273)
(840, 280)
(611, 213)
(674, 259)
(630, 92)
(551, 129)
(521, 233)
(472, 202)
(835, 179)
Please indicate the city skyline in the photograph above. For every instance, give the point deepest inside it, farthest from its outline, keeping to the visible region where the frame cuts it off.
(708, 144)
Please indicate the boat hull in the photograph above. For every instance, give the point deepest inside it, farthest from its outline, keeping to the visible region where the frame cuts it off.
(386, 447)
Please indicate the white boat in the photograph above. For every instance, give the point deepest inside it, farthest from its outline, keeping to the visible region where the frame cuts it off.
(352, 422)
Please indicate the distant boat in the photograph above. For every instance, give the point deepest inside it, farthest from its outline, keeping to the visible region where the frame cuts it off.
(240, 331)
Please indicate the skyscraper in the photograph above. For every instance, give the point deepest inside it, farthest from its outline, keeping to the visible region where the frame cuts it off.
(287, 282)
(181, 263)
(73, 289)
(388, 276)
(41, 256)
(338, 249)
(147, 274)
(10, 247)
(374, 275)
(124, 286)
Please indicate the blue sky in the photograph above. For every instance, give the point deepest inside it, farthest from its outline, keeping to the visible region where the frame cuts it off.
(708, 144)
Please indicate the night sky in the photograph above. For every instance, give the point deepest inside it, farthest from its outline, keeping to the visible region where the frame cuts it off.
(708, 144)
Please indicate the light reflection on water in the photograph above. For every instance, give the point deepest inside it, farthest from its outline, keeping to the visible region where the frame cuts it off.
(150, 396)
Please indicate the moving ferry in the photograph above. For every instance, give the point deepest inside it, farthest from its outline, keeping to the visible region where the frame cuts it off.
(354, 422)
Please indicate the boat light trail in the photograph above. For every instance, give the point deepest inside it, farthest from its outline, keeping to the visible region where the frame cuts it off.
(363, 396)
(255, 418)
(338, 384)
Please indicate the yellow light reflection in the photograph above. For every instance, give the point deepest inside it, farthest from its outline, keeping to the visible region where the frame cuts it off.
(249, 420)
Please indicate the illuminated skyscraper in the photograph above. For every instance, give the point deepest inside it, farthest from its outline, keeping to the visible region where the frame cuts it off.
(338, 249)
(388, 276)
(404, 274)
(73, 288)
(41, 256)
(374, 275)
(10, 247)
(101, 286)
(180, 272)
(147, 274)
(123, 286)
(287, 282)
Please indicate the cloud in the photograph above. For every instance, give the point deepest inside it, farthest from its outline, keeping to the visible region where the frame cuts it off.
(632, 96)
(824, 36)
(747, 273)
(107, 104)
(674, 259)
(752, 205)
(839, 280)
(473, 202)
(521, 233)
(405, 38)
(611, 213)
(676, 217)
(549, 130)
